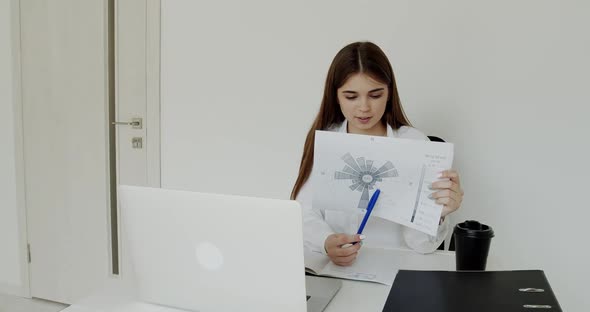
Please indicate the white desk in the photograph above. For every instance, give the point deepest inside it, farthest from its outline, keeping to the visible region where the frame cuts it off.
(353, 296)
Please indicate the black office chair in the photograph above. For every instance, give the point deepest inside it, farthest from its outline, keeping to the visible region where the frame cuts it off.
(435, 139)
(452, 244)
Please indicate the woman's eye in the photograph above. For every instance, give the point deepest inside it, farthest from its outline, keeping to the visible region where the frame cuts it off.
(376, 96)
(350, 97)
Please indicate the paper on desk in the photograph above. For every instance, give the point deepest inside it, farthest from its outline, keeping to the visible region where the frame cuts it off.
(349, 167)
(315, 261)
(372, 265)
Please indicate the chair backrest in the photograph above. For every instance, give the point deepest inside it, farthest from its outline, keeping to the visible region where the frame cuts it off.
(452, 243)
(435, 138)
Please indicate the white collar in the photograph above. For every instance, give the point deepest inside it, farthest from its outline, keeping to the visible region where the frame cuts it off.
(344, 126)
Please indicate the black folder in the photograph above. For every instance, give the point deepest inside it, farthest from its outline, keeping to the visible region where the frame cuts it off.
(471, 291)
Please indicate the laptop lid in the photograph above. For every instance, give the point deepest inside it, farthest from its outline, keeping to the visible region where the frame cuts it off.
(211, 252)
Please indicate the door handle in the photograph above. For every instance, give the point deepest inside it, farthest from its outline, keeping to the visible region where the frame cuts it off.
(135, 123)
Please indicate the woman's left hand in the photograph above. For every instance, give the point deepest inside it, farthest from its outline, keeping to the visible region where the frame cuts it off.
(448, 193)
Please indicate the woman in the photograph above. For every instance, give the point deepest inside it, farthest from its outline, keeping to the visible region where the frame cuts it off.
(360, 97)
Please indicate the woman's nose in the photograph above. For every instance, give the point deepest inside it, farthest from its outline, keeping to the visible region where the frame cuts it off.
(364, 105)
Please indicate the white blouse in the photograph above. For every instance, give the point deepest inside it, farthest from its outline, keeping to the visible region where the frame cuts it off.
(318, 224)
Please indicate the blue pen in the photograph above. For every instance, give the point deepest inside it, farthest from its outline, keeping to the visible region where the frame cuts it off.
(372, 203)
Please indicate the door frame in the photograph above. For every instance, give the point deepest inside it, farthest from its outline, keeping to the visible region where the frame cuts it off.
(153, 10)
(151, 31)
(25, 289)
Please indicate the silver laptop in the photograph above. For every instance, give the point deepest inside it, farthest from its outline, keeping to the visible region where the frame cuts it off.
(211, 252)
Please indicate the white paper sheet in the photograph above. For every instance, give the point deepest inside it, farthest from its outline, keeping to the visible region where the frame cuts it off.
(379, 265)
(348, 168)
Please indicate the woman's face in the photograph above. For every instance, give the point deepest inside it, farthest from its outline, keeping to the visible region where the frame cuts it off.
(363, 100)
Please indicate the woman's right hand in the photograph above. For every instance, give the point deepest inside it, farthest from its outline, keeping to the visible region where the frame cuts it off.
(339, 254)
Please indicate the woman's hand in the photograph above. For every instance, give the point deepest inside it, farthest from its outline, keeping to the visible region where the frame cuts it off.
(339, 254)
(448, 193)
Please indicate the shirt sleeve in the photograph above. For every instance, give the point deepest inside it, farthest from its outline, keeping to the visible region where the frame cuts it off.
(424, 243)
(315, 228)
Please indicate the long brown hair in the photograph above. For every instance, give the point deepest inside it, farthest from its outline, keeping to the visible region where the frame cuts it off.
(358, 57)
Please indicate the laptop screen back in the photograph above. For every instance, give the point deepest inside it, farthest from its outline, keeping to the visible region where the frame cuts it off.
(211, 252)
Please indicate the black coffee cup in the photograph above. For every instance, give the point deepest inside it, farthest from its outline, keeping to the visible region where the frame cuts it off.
(472, 244)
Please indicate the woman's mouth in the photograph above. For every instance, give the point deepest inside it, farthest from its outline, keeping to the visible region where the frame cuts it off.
(363, 120)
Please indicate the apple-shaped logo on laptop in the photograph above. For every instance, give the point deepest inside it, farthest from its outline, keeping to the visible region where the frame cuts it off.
(209, 256)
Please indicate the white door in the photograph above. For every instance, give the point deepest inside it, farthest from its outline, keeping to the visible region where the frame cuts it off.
(65, 145)
(66, 89)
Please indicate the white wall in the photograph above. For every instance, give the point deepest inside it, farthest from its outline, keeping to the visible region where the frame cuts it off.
(505, 81)
(12, 270)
